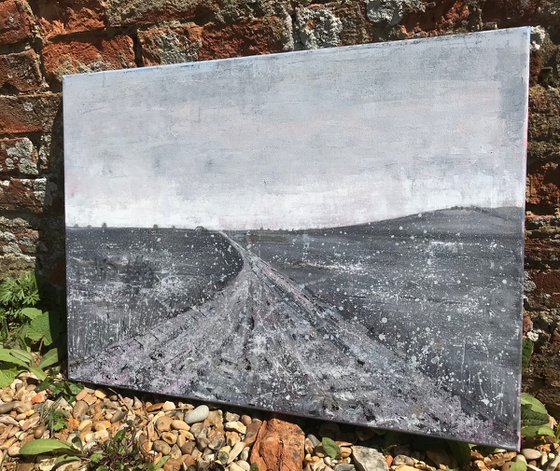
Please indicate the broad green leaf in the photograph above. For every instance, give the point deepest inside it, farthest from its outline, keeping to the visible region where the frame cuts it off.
(47, 446)
(41, 375)
(537, 431)
(31, 312)
(40, 329)
(6, 356)
(7, 374)
(530, 417)
(21, 354)
(330, 447)
(518, 466)
(50, 358)
(534, 403)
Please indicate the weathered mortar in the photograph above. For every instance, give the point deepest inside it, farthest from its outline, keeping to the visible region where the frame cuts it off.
(42, 39)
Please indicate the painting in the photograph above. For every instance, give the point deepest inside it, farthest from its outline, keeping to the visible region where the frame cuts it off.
(334, 233)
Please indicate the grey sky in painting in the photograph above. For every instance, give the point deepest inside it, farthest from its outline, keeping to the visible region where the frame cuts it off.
(299, 140)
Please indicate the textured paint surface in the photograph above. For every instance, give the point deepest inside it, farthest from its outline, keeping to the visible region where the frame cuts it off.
(339, 232)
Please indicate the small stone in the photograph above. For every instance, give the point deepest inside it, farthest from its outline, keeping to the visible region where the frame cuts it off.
(118, 416)
(236, 426)
(100, 394)
(189, 461)
(243, 465)
(246, 420)
(231, 417)
(168, 406)
(554, 464)
(235, 451)
(531, 454)
(197, 415)
(13, 451)
(162, 447)
(314, 440)
(175, 453)
(369, 459)
(101, 435)
(252, 431)
(39, 431)
(404, 467)
(216, 440)
(345, 451)
(80, 409)
(169, 437)
(507, 465)
(179, 425)
(187, 448)
(403, 459)
(233, 438)
(234, 467)
(163, 423)
(84, 424)
(344, 467)
(244, 456)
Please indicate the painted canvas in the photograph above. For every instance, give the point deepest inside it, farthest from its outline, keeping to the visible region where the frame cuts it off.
(334, 233)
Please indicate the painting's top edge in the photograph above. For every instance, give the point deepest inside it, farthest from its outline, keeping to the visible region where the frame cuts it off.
(322, 51)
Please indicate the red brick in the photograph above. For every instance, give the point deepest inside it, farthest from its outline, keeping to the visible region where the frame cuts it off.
(61, 17)
(20, 71)
(132, 12)
(437, 18)
(13, 265)
(244, 38)
(20, 194)
(75, 56)
(18, 237)
(28, 113)
(16, 22)
(18, 156)
(543, 185)
(165, 45)
(168, 45)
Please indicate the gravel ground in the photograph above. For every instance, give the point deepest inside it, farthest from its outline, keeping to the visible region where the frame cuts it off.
(207, 437)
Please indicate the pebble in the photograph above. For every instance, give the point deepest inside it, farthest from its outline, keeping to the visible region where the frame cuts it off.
(344, 467)
(197, 415)
(554, 464)
(13, 451)
(163, 423)
(168, 406)
(169, 437)
(369, 459)
(236, 451)
(80, 409)
(246, 420)
(39, 431)
(235, 467)
(314, 440)
(5, 408)
(243, 465)
(531, 454)
(162, 447)
(403, 459)
(180, 425)
(236, 427)
(118, 416)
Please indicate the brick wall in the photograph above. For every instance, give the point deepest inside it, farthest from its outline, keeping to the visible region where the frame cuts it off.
(40, 40)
